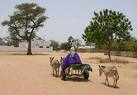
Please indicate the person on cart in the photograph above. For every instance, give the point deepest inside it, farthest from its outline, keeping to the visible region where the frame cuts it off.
(71, 58)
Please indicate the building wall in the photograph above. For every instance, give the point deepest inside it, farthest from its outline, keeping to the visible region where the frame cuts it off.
(36, 44)
(23, 49)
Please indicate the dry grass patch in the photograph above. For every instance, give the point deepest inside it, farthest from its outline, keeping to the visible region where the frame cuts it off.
(97, 58)
(106, 60)
(114, 61)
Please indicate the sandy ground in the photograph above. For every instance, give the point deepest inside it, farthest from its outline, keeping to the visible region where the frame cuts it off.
(31, 75)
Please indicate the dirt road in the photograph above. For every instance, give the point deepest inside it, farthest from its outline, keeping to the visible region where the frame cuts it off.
(31, 75)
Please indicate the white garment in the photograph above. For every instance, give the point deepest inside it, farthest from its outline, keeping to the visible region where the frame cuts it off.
(72, 52)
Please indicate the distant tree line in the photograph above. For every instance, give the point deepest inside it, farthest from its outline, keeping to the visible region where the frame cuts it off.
(2, 42)
(125, 45)
(71, 41)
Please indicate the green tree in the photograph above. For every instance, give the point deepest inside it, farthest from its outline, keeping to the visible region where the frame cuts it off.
(7, 41)
(26, 21)
(105, 27)
(77, 43)
(13, 40)
(54, 44)
(70, 41)
(65, 46)
(2, 42)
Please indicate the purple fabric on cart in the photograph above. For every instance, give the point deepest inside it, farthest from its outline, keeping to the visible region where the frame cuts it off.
(71, 60)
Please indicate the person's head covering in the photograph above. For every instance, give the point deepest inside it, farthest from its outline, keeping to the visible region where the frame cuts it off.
(72, 51)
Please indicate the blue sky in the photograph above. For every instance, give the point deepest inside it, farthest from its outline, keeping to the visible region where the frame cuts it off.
(70, 17)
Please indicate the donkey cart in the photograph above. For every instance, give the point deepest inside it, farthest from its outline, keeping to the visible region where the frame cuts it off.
(83, 70)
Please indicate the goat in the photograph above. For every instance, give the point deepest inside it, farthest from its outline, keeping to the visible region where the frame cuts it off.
(109, 71)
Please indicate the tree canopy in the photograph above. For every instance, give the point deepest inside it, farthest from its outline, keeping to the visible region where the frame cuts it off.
(25, 22)
(71, 42)
(55, 44)
(107, 26)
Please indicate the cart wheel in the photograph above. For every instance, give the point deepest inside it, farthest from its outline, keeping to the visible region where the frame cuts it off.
(86, 74)
(63, 75)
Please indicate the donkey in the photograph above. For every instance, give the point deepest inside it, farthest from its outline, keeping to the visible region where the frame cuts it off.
(61, 60)
(55, 64)
(109, 71)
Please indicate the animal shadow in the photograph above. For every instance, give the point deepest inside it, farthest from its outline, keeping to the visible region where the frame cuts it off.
(57, 76)
(111, 86)
(77, 79)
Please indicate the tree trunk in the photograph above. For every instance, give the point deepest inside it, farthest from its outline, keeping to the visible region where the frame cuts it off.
(109, 50)
(90, 49)
(29, 47)
(109, 54)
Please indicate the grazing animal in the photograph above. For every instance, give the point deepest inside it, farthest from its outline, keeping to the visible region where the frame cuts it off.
(109, 71)
(55, 66)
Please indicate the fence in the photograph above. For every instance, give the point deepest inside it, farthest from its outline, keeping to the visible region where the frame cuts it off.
(92, 50)
(124, 53)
